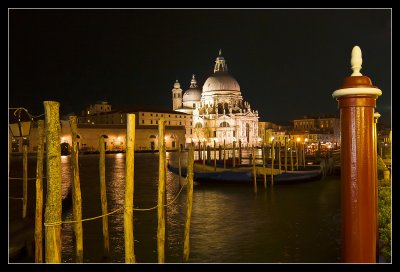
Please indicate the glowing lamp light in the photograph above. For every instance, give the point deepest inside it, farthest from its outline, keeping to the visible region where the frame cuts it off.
(298, 139)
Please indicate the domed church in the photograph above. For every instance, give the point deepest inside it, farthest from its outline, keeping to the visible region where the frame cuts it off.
(219, 111)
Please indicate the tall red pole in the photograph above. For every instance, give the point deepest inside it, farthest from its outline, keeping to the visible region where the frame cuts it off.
(357, 98)
(376, 117)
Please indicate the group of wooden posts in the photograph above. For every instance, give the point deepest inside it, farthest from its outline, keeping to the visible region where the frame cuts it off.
(205, 151)
(50, 128)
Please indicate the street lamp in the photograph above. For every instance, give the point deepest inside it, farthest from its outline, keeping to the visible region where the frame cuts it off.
(20, 123)
(20, 126)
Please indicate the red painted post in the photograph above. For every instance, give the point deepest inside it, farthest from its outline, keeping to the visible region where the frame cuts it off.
(375, 158)
(357, 98)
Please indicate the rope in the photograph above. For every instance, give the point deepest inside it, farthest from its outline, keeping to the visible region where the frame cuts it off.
(76, 221)
(23, 178)
(100, 216)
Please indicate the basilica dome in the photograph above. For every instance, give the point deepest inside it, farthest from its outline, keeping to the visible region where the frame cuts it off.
(221, 81)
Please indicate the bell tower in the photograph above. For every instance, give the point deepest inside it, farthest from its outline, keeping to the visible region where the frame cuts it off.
(176, 96)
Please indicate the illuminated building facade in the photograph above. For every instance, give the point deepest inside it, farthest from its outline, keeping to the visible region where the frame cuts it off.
(219, 111)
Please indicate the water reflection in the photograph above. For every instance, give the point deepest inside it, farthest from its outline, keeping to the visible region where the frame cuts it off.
(298, 223)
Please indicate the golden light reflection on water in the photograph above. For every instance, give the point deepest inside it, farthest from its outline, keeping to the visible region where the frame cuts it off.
(229, 223)
(65, 175)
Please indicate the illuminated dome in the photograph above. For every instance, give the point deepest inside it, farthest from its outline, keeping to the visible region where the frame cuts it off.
(193, 93)
(221, 80)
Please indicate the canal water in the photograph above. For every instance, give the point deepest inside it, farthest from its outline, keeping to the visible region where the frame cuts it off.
(297, 223)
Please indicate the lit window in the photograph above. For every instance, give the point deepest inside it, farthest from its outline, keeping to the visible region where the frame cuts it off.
(224, 124)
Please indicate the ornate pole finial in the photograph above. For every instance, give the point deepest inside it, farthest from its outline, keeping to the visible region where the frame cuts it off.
(220, 52)
(193, 76)
(356, 61)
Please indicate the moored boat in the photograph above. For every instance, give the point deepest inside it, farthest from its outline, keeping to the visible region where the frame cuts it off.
(244, 174)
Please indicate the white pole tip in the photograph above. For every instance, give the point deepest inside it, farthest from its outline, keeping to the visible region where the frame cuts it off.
(356, 61)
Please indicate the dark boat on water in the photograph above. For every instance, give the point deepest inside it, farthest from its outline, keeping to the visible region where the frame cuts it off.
(244, 174)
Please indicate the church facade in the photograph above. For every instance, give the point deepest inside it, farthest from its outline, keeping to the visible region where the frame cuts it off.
(218, 110)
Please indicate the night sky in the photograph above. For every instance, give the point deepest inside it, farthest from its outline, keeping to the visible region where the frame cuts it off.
(287, 62)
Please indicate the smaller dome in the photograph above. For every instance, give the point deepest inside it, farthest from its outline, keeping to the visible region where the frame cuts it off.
(177, 85)
(193, 93)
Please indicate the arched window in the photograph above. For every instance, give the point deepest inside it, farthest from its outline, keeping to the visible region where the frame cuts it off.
(152, 137)
(224, 124)
(198, 125)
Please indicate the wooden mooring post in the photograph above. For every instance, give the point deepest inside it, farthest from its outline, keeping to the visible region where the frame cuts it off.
(357, 100)
(215, 157)
(291, 155)
(161, 193)
(297, 155)
(279, 158)
(39, 196)
(76, 192)
(52, 215)
(224, 155)
(189, 201)
(129, 189)
(103, 196)
(179, 165)
(204, 156)
(254, 169)
(272, 162)
(240, 152)
(233, 154)
(25, 180)
(264, 171)
(285, 154)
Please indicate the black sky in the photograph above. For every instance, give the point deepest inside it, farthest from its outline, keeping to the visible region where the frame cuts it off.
(287, 62)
